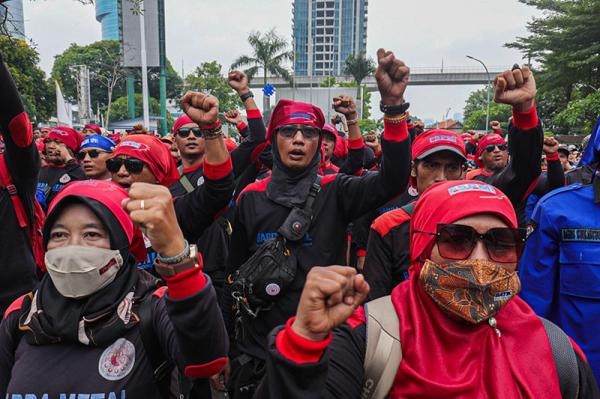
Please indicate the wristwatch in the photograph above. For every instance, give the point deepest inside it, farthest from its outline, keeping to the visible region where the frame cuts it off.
(394, 109)
(171, 269)
(246, 96)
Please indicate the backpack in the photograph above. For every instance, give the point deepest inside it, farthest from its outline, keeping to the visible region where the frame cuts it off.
(384, 352)
(35, 227)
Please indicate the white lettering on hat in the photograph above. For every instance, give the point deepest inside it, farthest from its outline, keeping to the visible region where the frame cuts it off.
(463, 188)
(442, 138)
(131, 144)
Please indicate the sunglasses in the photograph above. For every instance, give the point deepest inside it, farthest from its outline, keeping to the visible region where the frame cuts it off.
(92, 153)
(132, 165)
(289, 131)
(185, 131)
(457, 241)
(492, 147)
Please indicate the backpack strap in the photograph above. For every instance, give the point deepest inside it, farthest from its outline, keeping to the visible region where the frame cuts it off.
(565, 360)
(7, 183)
(160, 364)
(185, 182)
(409, 208)
(384, 350)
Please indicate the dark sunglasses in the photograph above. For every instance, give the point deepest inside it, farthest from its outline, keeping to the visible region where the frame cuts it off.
(133, 165)
(491, 147)
(92, 153)
(185, 131)
(457, 241)
(289, 131)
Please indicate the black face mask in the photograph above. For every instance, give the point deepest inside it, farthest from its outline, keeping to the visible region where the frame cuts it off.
(289, 187)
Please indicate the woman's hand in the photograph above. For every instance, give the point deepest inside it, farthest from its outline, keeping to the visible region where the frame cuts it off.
(150, 206)
(329, 297)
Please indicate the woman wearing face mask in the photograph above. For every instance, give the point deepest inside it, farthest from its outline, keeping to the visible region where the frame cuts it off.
(464, 333)
(86, 329)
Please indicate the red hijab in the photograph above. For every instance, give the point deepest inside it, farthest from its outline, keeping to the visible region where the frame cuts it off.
(447, 358)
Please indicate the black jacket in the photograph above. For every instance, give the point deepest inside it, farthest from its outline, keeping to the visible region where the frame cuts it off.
(342, 198)
(52, 179)
(23, 164)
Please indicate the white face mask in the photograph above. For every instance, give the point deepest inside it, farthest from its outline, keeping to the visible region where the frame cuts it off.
(78, 271)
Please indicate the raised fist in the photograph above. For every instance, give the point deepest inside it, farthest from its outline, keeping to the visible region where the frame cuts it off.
(550, 145)
(516, 88)
(345, 105)
(202, 109)
(495, 125)
(238, 82)
(233, 117)
(329, 297)
(392, 77)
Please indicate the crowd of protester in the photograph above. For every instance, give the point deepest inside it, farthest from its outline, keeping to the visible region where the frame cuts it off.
(299, 257)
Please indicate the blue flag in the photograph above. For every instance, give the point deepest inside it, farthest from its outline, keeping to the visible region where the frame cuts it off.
(592, 151)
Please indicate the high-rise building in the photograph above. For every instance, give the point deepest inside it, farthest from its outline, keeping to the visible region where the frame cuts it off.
(13, 16)
(107, 13)
(325, 33)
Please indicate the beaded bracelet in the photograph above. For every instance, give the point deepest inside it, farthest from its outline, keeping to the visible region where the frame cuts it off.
(171, 260)
(395, 119)
(214, 133)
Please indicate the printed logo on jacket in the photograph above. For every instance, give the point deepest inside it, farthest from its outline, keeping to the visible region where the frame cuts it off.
(97, 395)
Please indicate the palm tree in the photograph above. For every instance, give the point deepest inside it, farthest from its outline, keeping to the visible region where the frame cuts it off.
(269, 52)
(359, 67)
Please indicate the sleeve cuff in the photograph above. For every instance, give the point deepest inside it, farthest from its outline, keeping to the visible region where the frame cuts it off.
(217, 172)
(241, 126)
(207, 369)
(356, 144)
(213, 126)
(185, 284)
(253, 113)
(395, 131)
(552, 157)
(361, 252)
(21, 131)
(298, 349)
(526, 120)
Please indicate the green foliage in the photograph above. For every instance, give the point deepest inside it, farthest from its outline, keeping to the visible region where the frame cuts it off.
(329, 81)
(565, 40)
(119, 109)
(580, 115)
(498, 112)
(369, 125)
(366, 102)
(208, 78)
(37, 94)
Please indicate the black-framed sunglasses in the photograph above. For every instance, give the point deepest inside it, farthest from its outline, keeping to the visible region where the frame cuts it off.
(133, 165)
(289, 131)
(92, 153)
(492, 147)
(185, 132)
(457, 242)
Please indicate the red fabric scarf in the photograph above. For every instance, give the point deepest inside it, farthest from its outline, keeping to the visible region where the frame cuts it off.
(447, 358)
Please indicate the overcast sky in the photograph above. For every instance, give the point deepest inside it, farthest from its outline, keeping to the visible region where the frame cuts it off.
(420, 32)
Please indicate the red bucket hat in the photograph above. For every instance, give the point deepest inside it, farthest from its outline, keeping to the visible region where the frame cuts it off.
(154, 153)
(289, 112)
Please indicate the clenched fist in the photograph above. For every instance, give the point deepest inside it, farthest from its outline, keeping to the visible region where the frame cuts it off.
(329, 297)
(202, 109)
(392, 77)
(150, 206)
(233, 117)
(345, 105)
(517, 88)
(238, 82)
(550, 145)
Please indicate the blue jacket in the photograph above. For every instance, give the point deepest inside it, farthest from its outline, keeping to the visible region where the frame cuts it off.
(560, 266)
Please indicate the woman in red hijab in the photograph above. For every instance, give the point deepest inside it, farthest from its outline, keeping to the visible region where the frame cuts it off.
(464, 333)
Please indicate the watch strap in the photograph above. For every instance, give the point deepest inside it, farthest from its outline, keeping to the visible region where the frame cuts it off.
(394, 109)
(169, 270)
(246, 96)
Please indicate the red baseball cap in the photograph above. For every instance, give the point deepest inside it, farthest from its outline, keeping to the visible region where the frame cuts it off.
(436, 140)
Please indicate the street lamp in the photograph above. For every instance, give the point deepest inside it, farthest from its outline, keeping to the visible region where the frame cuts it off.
(487, 114)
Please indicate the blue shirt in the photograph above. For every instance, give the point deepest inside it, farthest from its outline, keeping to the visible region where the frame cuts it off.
(560, 266)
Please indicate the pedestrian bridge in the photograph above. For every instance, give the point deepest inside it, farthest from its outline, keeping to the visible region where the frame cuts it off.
(419, 76)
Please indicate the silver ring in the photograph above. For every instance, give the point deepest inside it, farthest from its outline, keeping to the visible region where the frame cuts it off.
(142, 205)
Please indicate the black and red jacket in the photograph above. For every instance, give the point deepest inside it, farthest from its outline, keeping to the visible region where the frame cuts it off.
(189, 328)
(342, 199)
(387, 259)
(298, 368)
(352, 165)
(53, 178)
(23, 164)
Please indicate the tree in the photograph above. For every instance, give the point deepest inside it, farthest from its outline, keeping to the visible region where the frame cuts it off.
(359, 67)
(498, 112)
(209, 79)
(580, 115)
(120, 109)
(565, 40)
(36, 92)
(269, 53)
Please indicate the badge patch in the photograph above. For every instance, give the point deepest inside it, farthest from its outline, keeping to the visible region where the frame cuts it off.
(530, 228)
(582, 234)
(462, 188)
(65, 179)
(200, 181)
(117, 360)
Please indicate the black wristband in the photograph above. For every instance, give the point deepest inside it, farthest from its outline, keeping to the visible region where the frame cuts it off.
(394, 109)
(246, 96)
